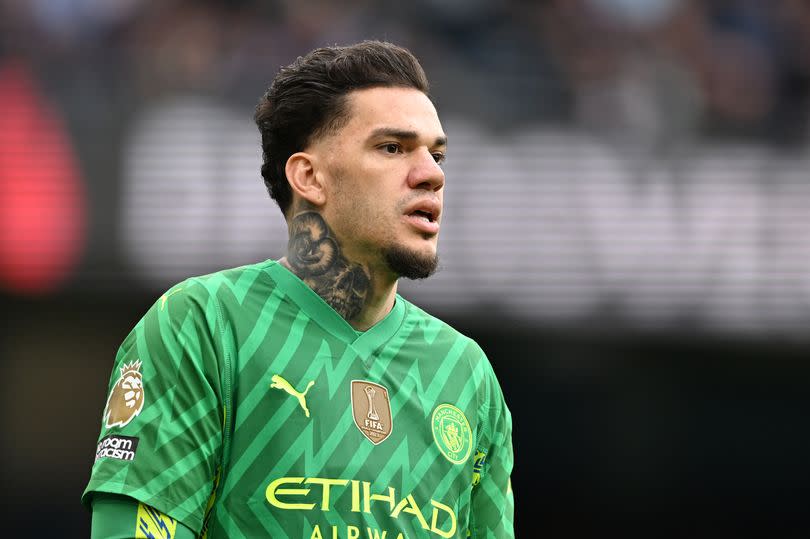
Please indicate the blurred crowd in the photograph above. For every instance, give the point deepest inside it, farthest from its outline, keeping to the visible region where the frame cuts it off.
(651, 71)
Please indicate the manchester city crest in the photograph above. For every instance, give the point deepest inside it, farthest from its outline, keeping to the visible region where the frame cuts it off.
(452, 433)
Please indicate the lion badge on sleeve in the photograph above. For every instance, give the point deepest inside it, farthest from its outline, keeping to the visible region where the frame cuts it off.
(126, 398)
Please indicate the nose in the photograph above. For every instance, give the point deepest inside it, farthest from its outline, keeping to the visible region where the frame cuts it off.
(425, 172)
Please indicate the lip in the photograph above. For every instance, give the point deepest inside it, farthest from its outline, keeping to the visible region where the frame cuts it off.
(426, 227)
(433, 207)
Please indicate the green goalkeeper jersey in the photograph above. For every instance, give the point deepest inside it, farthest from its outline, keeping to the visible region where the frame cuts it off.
(242, 405)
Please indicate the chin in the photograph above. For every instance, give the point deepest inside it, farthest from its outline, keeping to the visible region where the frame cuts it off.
(411, 263)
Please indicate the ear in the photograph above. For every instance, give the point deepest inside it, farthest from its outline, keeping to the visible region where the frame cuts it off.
(304, 181)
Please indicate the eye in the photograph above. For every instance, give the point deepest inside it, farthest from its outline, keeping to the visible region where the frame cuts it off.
(391, 148)
(439, 157)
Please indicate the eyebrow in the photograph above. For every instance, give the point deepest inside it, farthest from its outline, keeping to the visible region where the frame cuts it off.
(404, 134)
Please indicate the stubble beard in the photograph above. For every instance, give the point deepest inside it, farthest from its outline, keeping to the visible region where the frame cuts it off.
(409, 263)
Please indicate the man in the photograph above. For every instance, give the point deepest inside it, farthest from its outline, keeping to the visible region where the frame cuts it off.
(304, 398)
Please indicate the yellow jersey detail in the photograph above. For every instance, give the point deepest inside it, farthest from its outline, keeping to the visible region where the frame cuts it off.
(478, 466)
(452, 433)
(210, 505)
(284, 385)
(165, 297)
(152, 524)
(319, 493)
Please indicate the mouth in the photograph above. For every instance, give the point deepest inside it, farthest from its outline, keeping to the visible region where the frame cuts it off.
(424, 216)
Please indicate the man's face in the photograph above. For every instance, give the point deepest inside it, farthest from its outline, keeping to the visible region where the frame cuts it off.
(383, 181)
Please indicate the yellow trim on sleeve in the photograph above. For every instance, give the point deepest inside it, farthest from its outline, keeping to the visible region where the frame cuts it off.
(151, 523)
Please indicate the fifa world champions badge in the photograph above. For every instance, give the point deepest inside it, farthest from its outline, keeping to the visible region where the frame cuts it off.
(371, 409)
(126, 398)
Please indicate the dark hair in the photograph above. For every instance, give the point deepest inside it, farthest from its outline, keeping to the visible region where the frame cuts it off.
(307, 99)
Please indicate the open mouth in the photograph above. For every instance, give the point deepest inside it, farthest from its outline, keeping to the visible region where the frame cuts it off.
(424, 215)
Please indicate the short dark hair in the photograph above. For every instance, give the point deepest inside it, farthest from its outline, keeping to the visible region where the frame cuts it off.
(307, 99)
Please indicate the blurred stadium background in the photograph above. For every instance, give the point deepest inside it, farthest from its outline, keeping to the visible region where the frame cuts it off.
(626, 232)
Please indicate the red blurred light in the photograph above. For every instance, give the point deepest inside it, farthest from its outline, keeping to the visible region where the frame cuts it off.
(42, 207)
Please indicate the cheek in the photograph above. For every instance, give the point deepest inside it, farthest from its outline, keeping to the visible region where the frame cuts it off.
(369, 208)
(374, 223)
(366, 209)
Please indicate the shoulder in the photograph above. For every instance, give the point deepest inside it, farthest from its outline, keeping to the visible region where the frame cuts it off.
(206, 298)
(223, 285)
(233, 279)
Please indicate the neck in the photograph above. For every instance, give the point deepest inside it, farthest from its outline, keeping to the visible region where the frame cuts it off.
(316, 256)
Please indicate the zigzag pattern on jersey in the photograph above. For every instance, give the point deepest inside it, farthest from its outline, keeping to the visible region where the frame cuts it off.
(263, 333)
(164, 420)
(333, 361)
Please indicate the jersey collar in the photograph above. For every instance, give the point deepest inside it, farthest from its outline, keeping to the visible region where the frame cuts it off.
(322, 313)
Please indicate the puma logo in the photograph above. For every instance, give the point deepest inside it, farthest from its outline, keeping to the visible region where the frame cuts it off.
(281, 383)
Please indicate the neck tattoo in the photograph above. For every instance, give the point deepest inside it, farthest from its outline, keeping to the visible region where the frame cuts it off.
(314, 256)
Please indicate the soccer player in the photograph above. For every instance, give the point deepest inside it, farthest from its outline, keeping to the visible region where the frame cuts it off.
(304, 398)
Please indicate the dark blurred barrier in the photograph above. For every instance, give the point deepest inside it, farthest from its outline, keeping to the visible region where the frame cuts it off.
(672, 434)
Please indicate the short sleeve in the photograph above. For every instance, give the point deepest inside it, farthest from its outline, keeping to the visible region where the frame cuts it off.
(161, 429)
(492, 513)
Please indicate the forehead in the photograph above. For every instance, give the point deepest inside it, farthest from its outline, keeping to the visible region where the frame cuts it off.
(402, 108)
